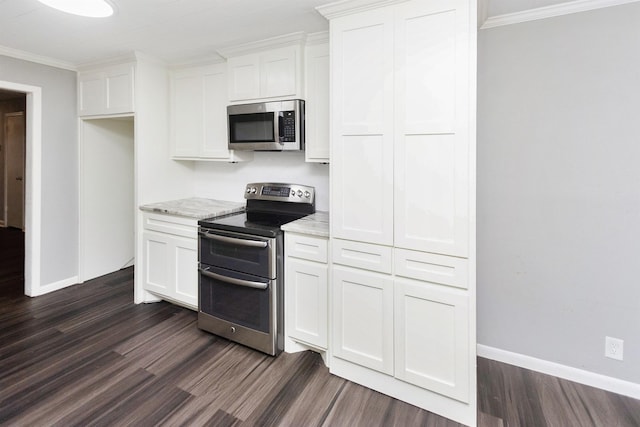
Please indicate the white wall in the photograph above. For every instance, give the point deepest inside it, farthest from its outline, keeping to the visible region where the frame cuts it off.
(59, 228)
(226, 181)
(559, 189)
(107, 187)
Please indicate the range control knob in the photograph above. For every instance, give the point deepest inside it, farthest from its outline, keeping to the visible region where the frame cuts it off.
(253, 190)
(293, 193)
(307, 194)
(248, 190)
(299, 193)
(233, 330)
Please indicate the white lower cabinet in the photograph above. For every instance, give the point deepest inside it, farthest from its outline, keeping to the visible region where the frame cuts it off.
(170, 253)
(363, 318)
(306, 283)
(432, 337)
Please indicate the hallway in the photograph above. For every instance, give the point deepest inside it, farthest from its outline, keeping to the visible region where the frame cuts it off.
(11, 262)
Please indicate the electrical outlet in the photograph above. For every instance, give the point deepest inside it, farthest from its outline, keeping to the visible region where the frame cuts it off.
(613, 348)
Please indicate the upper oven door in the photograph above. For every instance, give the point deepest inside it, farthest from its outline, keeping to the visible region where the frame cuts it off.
(248, 254)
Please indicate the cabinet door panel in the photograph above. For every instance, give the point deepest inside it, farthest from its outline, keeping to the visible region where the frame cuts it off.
(244, 77)
(157, 257)
(185, 254)
(363, 318)
(91, 94)
(362, 129)
(432, 128)
(119, 81)
(278, 70)
(432, 338)
(187, 128)
(215, 140)
(306, 290)
(317, 103)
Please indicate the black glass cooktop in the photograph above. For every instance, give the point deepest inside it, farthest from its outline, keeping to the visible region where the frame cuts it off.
(257, 223)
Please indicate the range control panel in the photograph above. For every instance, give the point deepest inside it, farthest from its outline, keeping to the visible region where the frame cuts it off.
(280, 192)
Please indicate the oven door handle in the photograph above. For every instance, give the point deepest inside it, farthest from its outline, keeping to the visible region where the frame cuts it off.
(234, 240)
(233, 281)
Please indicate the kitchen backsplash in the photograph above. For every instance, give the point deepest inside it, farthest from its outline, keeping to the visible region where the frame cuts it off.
(226, 181)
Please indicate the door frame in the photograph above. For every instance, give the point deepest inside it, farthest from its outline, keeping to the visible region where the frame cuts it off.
(33, 185)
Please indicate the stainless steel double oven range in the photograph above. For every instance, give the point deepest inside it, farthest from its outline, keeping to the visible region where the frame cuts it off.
(241, 266)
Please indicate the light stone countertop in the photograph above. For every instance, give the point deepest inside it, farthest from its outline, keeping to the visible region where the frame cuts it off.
(316, 224)
(194, 207)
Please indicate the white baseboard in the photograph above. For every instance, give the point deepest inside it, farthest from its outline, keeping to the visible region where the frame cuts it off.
(55, 286)
(581, 376)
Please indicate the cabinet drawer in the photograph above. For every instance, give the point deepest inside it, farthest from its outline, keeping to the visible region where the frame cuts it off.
(362, 255)
(306, 247)
(441, 269)
(179, 226)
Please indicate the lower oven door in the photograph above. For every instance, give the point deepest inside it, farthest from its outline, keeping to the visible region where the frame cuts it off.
(239, 307)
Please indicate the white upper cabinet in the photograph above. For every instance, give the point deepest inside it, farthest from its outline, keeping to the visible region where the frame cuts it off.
(198, 115)
(316, 67)
(431, 127)
(106, 91)
(269, 74)
(362, 127)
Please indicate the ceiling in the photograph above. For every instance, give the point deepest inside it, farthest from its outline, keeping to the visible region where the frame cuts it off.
(175, 31)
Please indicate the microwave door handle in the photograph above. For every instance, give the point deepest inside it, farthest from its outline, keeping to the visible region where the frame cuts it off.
(280, 128)
(234, 241)
(233, 281)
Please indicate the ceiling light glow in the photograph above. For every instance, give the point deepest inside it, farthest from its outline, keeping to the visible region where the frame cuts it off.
(90, 8)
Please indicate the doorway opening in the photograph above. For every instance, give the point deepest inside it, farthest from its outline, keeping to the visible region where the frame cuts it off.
(13, 106)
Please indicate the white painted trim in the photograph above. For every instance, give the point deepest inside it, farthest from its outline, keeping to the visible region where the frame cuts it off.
(581, 376)
(348, 7)
(56, 286)
(550, 11)
(38, 59)
(285, 40)
(33, 178)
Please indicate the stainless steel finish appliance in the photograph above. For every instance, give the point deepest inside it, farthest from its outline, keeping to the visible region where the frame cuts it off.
(241, 266)
(267, 126)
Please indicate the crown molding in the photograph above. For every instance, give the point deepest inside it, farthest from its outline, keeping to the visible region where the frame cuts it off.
(348, 7)
(317, 38)
(550, 12)
(285, 40)
(38, 59)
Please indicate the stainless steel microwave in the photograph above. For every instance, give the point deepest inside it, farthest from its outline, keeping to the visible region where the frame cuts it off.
(267, 126)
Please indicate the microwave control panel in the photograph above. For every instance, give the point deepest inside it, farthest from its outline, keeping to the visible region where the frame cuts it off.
(287, 126)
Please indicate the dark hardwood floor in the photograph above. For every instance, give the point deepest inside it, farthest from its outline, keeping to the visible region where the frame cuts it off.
(88, 356)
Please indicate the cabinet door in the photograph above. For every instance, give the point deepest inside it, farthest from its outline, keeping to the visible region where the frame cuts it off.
(432, 338)
(306, 289)
(317, 103)
(91, 94)
(157, 271)
(244, 77)
(215, 142)
(363, 318)
(185, 262)
(432, 122)
(171, 267)
(279, 69)
(119, 81)
(187, 113)
(362, 132)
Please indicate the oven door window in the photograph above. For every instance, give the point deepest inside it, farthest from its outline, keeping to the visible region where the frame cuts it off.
(247, 254)
(249, 128)
(236, 303)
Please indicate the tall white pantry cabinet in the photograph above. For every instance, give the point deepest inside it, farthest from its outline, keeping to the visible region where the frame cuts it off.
(403, 200)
